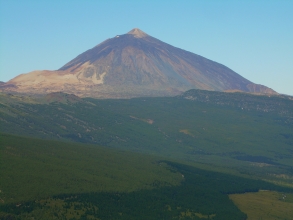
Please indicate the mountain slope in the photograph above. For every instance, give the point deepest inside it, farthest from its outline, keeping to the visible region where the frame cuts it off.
(223, 129)
(131, 65)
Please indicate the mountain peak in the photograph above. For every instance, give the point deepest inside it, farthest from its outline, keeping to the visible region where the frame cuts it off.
(134, 65)
(137, 33)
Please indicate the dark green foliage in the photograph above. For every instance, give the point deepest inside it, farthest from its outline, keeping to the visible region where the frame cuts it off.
(32, 169)
(236, 133)
(280, 104)
(201, 192)
(218, 129)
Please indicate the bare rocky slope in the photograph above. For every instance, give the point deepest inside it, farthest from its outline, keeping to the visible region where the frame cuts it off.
(132, 65)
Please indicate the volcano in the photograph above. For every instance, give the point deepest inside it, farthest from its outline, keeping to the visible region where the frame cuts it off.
(134, 65)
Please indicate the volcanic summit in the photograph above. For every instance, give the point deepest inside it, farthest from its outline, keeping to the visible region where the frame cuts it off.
(133, 65)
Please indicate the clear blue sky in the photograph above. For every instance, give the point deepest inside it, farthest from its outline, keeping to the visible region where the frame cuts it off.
(252, 37)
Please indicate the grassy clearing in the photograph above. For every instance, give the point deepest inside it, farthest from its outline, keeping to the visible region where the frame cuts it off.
(192, 215)
(267, 205)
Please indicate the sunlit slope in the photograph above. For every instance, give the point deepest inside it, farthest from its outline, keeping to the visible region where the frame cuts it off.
(133, 65)
(267, 205)
(33, 168)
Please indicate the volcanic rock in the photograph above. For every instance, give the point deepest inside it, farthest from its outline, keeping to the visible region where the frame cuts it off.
(133, 65)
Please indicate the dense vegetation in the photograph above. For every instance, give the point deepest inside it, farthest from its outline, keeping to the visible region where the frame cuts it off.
(50, 179)
(132, 176)
(33, 168)
(245, 133)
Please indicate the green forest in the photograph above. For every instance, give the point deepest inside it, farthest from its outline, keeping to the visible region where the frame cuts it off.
(143, 158)
(81, 181)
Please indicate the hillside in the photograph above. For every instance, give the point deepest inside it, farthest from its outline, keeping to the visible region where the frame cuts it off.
(182, 157)
(231, 131)
(34, 168)
(43, 179)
